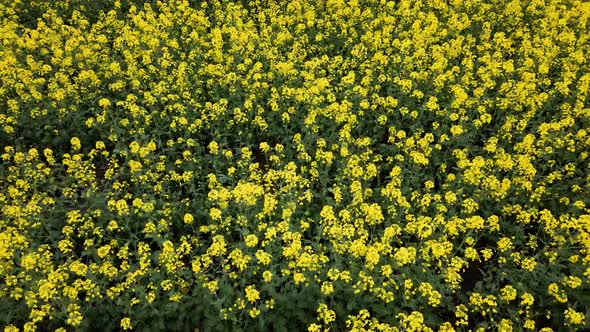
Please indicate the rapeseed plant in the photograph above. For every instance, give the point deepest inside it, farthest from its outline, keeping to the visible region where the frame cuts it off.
(367, 165)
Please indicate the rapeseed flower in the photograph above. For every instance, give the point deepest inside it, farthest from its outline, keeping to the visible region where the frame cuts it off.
(265, 162)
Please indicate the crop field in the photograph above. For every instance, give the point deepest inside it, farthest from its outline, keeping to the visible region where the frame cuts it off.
(268, 165)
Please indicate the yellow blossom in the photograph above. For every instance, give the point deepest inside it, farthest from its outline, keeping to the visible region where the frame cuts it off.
(126, 323)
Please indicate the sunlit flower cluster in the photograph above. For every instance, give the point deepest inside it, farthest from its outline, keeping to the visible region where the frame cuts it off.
(364, 165)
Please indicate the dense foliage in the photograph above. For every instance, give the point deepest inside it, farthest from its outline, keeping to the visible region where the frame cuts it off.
(294, 165)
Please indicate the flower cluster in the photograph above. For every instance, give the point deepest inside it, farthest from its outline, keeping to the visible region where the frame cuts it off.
(364, 165)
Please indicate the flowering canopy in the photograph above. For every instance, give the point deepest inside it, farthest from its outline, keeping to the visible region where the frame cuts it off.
(313, 165)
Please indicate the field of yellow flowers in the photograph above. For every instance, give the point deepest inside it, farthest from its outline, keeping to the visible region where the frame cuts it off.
(267, 165)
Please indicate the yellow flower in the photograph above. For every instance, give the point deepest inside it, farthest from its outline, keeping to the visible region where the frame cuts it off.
(254, 312)
(78, 268)
(386, 270)
(104, 251)
(471, 253)
(215, 213)
(527, 299)
(529, 324)
(314, 328)
(430, 293)
(103, 102)
(188, 218)
(212, 286)
(251, 240)
(504, 244)
(327, 288)
(572, 281)
(28, 262)
(11, 328)
(372, 256)
(134, 147)
(264, 147)
(263, 257)
(74, 315)
(135, 166)
(75, 142)
(456, 130)
(508, 293)
(213, 147)
(573, 317)
(505, 326)
(247, 193)
(405, 256)
(126, 323)
(252, 294)
(412, 322)
(558, 294)
(298, 277)
(325, 314)
(122, 207)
